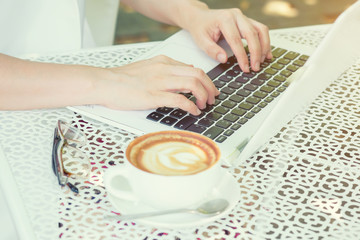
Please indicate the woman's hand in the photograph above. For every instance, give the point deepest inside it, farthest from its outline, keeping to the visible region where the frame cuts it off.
(156, 82)
(207, 26)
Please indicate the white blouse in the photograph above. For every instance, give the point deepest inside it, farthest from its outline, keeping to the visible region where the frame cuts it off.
(48, 26)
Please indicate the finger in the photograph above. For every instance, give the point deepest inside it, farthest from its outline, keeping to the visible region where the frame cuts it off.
(175, 100)
(211, 48)
(181, 69)
(232, 35)
(264, 38)
(251, 36)
(189, 84)
(199, 74)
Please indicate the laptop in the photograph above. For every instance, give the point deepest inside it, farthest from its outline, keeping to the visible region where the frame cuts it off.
(252, 107)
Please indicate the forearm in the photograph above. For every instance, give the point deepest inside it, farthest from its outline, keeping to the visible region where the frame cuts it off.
(29, 85)
(174, 12)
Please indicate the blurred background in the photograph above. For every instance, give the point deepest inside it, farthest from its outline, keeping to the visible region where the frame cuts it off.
(133, 27)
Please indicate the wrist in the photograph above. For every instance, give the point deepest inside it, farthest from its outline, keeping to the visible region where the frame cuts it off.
(188, 11)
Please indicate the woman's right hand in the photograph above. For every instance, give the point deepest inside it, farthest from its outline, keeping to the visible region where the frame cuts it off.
(154, 83)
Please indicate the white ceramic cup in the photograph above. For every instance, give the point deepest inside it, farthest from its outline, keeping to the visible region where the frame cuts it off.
(172, 190)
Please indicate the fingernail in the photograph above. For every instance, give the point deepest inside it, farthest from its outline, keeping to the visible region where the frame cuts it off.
(198, 111)
(246, 68)
(221, 58)
(257, 66)
(262, 58)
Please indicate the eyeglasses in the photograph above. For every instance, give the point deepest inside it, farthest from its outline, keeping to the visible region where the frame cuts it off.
(67, 159)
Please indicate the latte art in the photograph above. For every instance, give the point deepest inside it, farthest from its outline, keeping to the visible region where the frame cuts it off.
(173, 158)
(175, 154)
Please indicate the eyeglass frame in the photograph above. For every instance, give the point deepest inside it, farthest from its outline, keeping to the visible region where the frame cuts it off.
(57, 162)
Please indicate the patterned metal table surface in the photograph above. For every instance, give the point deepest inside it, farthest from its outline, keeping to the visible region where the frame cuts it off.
(304, 184)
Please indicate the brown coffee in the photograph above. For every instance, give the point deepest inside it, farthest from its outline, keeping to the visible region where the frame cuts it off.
(172, 153)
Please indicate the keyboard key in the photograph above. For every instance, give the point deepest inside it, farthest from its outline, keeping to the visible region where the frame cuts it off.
(278, 52)
(155, 116)
(242, 121)
(228, 132)
(262, 104)
(304, 57)
(219, 83)
(264, 76)
(164, 110)
(249, 74)
(271, 71)
(235, 126)
(256, 109)
(253, 100)
(219, 69)
(213, 116)
(260, 94)
(228, 104)
(202, 114)
(223, 124)
(196, 128)
(232, 73)
(234, 85)
(267, 89)
(217, 102)
(238, 111)
(231, 117)
(280, 78)
(246, 105)
(193, 99)
(205, 122)
(250, 87)
(221, 139)
(286, 73)
(227, 90)
(178, 113)
(292, 68)
(291, 55)
(283, 61)
(222, 96)
(168, 120)
(249, 115)
(225, 78)
(243, 92)
(275, 94)
(269, 99)
(236, 98)
(264, 64)
(299, 63)
(281, 89)
(257, 82)
(185, 122)
(213, 132)
(221, 110)
(273, 83)
(277, 66)
(242, 79)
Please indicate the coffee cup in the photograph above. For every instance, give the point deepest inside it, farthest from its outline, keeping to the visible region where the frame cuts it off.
(167, 169)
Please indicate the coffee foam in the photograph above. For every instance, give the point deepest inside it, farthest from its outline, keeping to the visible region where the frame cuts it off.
(172, 155)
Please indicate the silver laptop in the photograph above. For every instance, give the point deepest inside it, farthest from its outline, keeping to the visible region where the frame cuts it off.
(252, 107)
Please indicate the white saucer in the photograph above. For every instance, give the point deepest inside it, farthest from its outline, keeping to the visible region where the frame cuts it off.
(228, 189)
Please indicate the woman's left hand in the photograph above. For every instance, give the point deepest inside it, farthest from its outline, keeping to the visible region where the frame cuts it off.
(208, 25)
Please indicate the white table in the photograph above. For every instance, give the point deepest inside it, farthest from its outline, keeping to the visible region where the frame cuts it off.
(305, 183)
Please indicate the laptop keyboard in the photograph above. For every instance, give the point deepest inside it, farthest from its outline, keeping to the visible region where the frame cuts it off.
(242, 95)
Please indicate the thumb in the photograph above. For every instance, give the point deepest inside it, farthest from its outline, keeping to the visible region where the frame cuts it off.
(212, 49)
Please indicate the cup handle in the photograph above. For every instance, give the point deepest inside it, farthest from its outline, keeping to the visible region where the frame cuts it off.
(116, 181)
